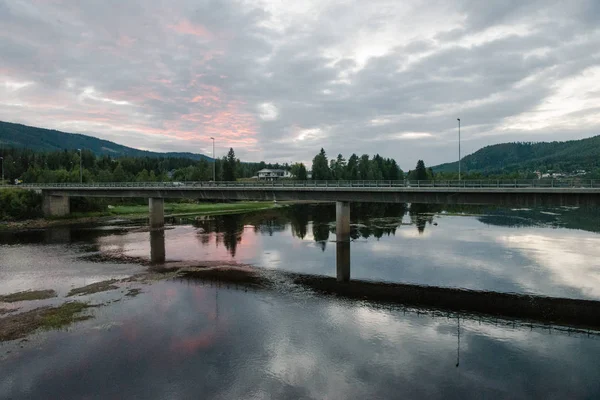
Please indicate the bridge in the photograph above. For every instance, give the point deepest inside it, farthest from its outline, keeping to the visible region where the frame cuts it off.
(520, 193)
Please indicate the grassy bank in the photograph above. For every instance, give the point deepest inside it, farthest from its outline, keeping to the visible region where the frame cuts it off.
(178, 209)
(140, 211)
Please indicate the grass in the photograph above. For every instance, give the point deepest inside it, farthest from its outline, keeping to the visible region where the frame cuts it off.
(28, 295)
(94, 288)
(178, 209)
(20, 325)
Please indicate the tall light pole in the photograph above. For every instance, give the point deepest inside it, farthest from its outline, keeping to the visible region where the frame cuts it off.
(214, 161)
(458, 148)
(80, 165)
(2, 160)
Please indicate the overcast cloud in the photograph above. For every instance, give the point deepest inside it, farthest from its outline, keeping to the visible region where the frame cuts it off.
(277, 80)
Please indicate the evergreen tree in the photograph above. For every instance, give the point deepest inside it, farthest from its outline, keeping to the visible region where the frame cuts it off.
(352, 168)
(229, 166)
(420, 172)
(320, 169)
(364, 168)
(119, 174)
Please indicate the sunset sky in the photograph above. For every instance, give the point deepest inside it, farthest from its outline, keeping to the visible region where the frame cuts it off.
(278, 80)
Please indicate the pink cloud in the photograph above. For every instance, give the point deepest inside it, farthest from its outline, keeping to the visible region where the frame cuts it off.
(185, 27)
(125, 41)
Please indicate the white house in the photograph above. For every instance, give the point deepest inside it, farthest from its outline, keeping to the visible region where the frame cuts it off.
(273, 174)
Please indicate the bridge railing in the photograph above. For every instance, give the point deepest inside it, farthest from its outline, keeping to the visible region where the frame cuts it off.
(488, 183)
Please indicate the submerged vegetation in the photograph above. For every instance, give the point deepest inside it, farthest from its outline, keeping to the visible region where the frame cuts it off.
(94, 288)
(27, 296)
(20, 325)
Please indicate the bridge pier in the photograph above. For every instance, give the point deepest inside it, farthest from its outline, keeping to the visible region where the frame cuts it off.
(157, 212)
(56, 206)
(157, 247)
(342, 233)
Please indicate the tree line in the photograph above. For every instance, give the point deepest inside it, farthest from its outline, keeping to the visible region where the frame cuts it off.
(64, 166)
(355, 168)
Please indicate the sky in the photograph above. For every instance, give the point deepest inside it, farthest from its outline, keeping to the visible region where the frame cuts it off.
(277, 80)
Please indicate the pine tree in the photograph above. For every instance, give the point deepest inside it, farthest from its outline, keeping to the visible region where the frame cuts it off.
(229, 167)
(321, 171)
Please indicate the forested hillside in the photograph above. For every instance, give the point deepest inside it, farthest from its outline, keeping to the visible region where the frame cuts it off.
(528, 157)
(17, 135)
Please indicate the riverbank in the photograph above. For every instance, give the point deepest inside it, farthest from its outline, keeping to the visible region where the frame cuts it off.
(134, 212)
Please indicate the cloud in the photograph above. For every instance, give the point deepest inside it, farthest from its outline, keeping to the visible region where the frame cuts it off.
(279, 81)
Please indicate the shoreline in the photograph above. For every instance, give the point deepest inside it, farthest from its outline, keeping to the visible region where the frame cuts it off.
(142, 214)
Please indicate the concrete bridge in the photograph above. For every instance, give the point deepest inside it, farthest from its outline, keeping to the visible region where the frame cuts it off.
(520, 193)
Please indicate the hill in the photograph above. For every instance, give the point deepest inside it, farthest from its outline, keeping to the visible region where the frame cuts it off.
(567, 156)
(22, 136)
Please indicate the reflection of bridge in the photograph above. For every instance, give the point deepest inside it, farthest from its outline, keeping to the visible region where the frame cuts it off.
(504, 193)
(581, 314)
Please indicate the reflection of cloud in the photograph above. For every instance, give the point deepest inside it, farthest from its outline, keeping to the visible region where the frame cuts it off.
(296, 347)
(566, 258)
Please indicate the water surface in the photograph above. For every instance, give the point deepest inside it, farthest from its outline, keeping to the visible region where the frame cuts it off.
(186, 338)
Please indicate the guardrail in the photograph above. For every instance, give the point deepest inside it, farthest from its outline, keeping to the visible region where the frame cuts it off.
(499, 183)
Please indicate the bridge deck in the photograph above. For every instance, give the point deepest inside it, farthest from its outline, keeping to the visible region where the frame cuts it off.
(503, 193)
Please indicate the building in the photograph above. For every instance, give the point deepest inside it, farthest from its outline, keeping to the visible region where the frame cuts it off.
(273, 174)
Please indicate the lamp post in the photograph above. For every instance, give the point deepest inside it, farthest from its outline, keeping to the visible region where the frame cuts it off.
(214, 161)
(80, 165)
(458, 149)
(2, 161)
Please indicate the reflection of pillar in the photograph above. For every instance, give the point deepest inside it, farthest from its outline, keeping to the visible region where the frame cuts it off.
(157, 213)
(157, 247)
(56, 206)
(58, 235)
(342, 233)
(342, 258)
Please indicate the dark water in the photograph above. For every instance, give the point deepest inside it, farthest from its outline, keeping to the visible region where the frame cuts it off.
(192, 339)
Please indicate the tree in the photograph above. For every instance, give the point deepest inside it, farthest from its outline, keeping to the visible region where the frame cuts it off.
(143, 176)
(364, 168)
(352, 168)
(229, 167)
(119, 174)
(299, 171)
(338, 168)
(420, 172)
(320, 168)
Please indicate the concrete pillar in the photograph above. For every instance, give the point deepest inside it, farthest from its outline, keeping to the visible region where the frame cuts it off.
(157, 213)
(157, 247)
(56, 206)
(342, 232)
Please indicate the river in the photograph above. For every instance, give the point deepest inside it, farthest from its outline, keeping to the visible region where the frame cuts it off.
(195, 338)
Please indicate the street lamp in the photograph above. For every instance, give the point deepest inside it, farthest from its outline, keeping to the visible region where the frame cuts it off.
(458, 149)
(214, 161)
(80, 165)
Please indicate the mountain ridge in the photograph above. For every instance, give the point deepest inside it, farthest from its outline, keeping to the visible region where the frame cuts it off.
(567, 156)
(24, 136)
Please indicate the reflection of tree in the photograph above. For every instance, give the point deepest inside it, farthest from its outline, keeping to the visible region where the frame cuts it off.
(587, 219)
(228, 229)
(321, 233)
(299, 218)
(421, 214)
(269, 226)
(376, 219)
(232, 228)
(322, 217)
